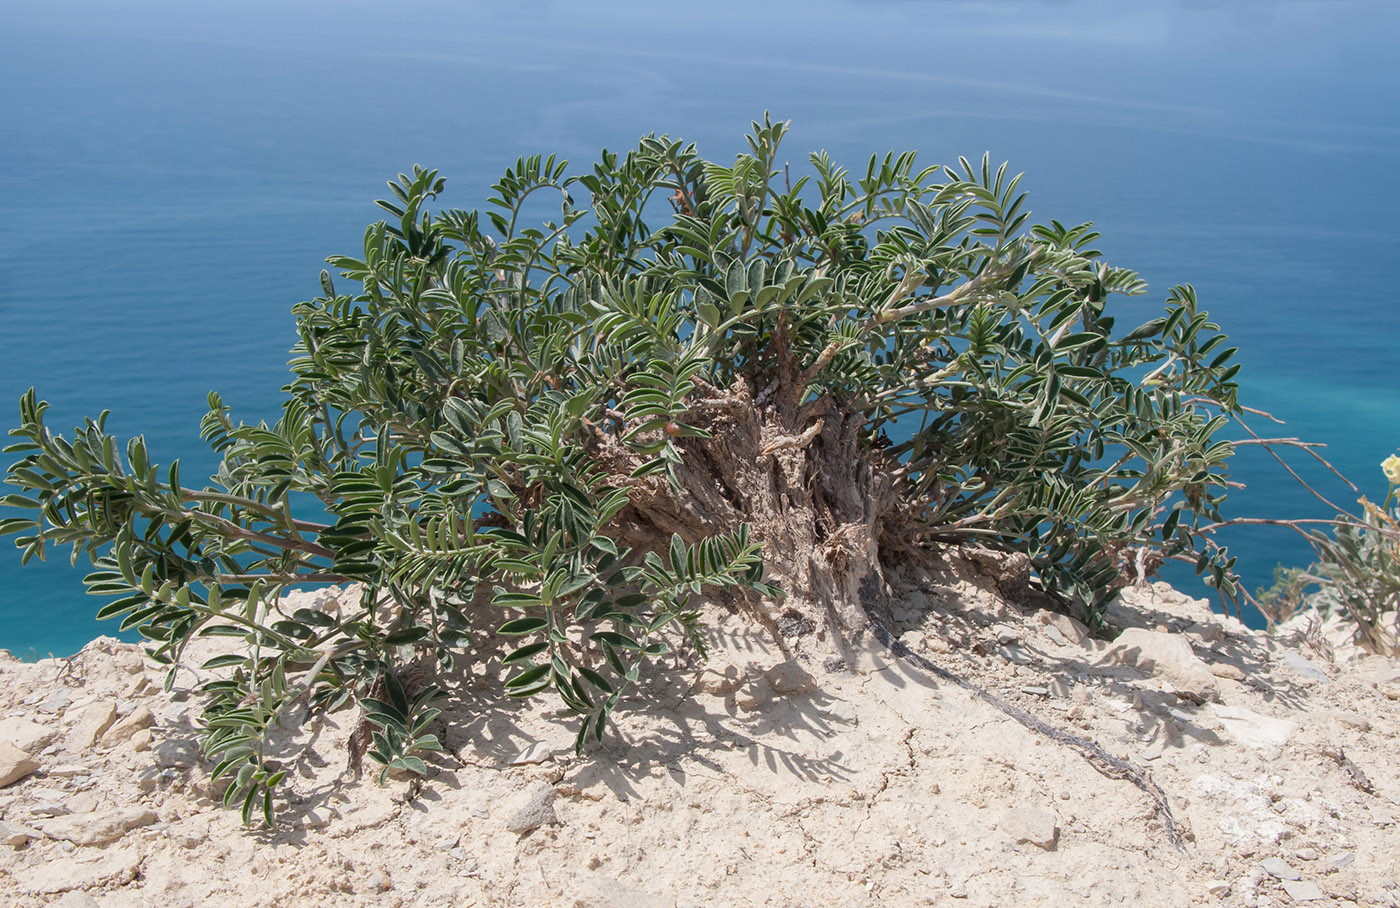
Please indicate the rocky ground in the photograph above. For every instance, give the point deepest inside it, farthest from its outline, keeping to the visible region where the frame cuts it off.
(750, 781)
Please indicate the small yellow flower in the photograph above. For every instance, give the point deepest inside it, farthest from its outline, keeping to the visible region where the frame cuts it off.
(1391, 467)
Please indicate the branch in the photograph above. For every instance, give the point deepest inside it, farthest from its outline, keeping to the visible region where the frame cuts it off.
(821, 362)
(238, 532)
(913, 280)
(282, 578)
(1291, 472)
(237, 501)
(785, 442)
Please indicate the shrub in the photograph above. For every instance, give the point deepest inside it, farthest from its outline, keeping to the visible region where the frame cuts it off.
(785, 389)
(1356, 574)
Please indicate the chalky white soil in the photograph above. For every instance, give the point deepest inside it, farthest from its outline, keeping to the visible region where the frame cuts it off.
(748, 781)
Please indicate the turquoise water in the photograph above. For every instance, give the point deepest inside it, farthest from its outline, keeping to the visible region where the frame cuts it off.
(171, 177)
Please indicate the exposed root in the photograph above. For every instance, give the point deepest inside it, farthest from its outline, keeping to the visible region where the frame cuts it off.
(1100, 759)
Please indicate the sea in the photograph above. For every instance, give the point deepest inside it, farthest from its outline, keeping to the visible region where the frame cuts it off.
(173, 174)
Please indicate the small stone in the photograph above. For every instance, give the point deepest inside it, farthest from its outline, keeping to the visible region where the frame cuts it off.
(720, 680)
(141, 740)
(1218, 888)
(88, 870)
(1207, 631)
(1055, 635)
(141, 717)
(93, 720)
(14, 834)
(99, 827)
(1016, 654)
(1298, 665)
(1035, 691)
(958, 891)
(1279, 869)
(1032, 825)
(1302, 891)
(316, 819)
(67, 770)
(1227, 671)
(535, 752)
(1338, 860)
(752, 695)
(1352, 720)
(49, 809)
(1169, 657)
(1006, 634)
(57, 701)
(148, 778)
(378, 881)
(15, 764)
(790, 679)
(1072, 631)
(1306, 854)
(176, 754)
(30, 737)
(595, 890)
(538, 810)
(1253, 730)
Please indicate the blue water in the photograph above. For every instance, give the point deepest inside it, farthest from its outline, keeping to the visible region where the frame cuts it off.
(173, 174)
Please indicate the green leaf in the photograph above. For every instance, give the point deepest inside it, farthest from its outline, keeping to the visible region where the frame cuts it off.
(520, 626)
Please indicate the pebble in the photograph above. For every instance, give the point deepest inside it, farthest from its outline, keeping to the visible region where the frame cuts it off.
(1280, 869)
(790, 679)
(1031, 825)
(140, 718)
(148, 778)
(68, 770)
(93, 720)
(176, 754)
(99, 827)
(57, 701)
(1036, 691)
(720, 680)
(1227, 671)
(538, 810)
(1169, 657)
(1298, 665)
(1218, 888)
(30, 737)
(1016, 654)
(1302, 891)
(536, 752)
(15, 764)
(316, 819)
(595, 890)
(1340, 859)
(15, 834)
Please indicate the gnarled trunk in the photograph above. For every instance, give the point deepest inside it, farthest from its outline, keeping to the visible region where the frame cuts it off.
(819, 499)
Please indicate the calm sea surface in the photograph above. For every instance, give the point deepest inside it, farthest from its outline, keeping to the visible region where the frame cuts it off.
(172, 175)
